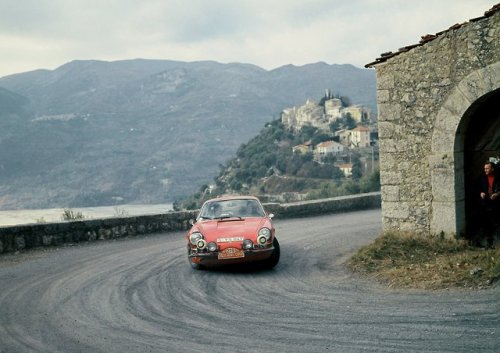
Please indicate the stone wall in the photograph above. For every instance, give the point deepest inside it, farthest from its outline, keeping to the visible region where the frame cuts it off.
(331, 205)
(18, 238)
(423, 92)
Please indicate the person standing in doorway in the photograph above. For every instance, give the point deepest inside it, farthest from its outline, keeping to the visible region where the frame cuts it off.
(490, 203)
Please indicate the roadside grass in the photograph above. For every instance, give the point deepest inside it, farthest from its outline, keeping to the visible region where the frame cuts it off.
(404, 260)
(71, 215)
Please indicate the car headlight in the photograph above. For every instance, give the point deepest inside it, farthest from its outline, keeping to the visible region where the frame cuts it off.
(212, 246)
(201, 244)
(194, 237)
(247, 244)
(264, 236)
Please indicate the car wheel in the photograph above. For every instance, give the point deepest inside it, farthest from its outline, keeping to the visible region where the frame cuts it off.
(275, 256)
(194, 265)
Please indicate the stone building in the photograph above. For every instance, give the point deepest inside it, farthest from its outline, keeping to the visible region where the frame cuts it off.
(309, 113)
(302, 149)
(326, 148)
(439, 120)
(333, 108)
(360, 136)
(359, 113)
(321, 116)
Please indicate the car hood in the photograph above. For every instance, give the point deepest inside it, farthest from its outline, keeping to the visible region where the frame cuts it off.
(230, 228)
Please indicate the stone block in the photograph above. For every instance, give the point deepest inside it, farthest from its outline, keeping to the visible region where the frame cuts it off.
(19, 242)
(47, 240)
(441, 160)
(383, 95)
(91, 235)
(397, 210)
(423, 85)
(386, 130)
(389, 111)
(453, 109)
(68, 237)
(384, 81)
(104, 233)
(407, 227)
(443, 141)
(389, 161)
(132, 229)
(478, 82)
(443, 185)
(389, 146)
(390, 193)
(443, 219)
(390, 178)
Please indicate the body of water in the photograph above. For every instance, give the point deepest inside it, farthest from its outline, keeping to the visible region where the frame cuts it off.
(16, 217)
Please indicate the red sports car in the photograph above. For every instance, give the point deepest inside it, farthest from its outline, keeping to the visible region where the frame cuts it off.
(232, 230)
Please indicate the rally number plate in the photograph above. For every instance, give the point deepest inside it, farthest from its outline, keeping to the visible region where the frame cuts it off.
(231, 253)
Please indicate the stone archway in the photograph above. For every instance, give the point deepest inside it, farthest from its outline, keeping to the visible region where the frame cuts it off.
(482, 141)
(447, 162)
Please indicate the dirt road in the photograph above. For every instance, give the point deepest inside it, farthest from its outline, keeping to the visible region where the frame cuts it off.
(140, 295)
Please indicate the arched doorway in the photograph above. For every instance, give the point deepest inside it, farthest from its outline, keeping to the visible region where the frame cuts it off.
(481, 142)
(467, 123)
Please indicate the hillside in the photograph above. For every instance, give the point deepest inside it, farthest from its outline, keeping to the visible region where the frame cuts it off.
(267, 166)
(142, 131)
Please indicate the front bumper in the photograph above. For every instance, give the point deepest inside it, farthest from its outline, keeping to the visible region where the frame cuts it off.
(211, 258)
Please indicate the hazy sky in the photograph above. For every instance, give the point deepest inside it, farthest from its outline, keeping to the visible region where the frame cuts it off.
(45, 34)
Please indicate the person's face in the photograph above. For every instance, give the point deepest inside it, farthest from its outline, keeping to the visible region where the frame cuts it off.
(488, 169)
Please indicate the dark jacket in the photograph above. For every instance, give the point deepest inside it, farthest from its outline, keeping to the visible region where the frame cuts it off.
(484, 184)
(488, 205)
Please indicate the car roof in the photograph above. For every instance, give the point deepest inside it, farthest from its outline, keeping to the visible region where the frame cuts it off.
(233, 197)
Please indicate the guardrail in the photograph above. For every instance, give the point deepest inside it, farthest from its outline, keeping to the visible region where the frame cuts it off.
(27, 236)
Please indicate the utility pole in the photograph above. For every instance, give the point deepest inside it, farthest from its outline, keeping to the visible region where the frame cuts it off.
(372, 143)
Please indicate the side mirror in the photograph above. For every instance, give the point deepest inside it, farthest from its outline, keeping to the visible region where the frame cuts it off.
(270, 215)
(192, 221)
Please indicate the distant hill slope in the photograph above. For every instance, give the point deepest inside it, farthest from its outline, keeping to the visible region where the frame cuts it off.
(143, 131)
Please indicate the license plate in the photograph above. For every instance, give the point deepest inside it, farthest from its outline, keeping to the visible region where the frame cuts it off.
(231, 253)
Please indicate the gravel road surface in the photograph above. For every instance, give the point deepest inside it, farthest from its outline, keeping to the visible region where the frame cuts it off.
(141, 295)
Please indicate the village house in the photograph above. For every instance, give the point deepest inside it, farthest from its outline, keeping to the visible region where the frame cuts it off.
(346, 168)
(302, 148)
(344, 137)
(356, 138)
(359, 113)
(328, 147)
(360, 136)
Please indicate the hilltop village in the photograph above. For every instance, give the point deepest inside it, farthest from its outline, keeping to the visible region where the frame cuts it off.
(316, 150)
(344, 129)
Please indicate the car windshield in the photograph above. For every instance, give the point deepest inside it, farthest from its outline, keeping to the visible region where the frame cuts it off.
(239, 208)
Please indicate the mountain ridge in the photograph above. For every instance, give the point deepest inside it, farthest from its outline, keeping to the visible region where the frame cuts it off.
(93, 132)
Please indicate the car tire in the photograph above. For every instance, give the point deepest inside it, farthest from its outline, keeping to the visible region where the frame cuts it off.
(194, 265)
(275, 256)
